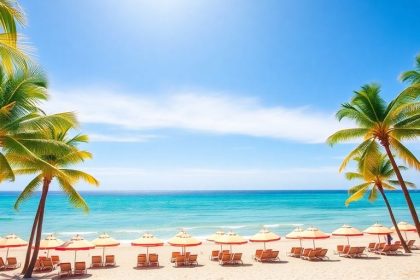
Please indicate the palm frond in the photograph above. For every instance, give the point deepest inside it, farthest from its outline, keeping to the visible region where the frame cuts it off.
(357, 192)
(28, 191)
(6, 172)
(74, 197)
(405, 154)
(80, 175)
(346, 135)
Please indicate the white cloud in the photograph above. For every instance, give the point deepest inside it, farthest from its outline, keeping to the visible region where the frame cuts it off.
(209, 112)
(95, 137)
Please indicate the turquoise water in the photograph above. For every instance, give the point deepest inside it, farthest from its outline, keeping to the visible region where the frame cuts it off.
(127, 215)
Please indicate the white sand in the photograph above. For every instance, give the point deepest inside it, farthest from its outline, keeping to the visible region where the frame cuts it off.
(375, 267)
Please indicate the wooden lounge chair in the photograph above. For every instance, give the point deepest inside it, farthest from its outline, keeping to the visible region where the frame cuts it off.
(141, 260)
(96, 262)
(351, 253)
(154, 260)
(174, 255)
(80, 268)
(42, 258)
(12, 263)
(109, 260)
(322, 255)
(371, 247)
(340, 249)
(311, 255)
(55, 260)
(65, 269)
(180, 261)
(274, 256)
(258, 253)
(38, 266)
(305, 253)
(214, 255)
(410, 244)
(223, 252)
(361, 252)
(2, 264)
(386, 250)
(192, 260)
(296, 252)
(237, 258)
(225, 259)
(47, 264)
(265, 256)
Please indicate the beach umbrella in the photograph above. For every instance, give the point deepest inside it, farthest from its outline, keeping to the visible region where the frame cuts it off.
(265, 235)
(405, 227)
(77, 243)
(230, 238)
(147, 240)
(12, 241)
(378, 229)
(49, 242)
(347, 231)
(295, 234)
(104, 240)
(313, 233)
(216, 235)
(183, 239)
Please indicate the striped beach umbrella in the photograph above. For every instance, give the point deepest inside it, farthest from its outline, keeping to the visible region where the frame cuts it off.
(347, 231)
(265, 235)
(295, 234)
(230, 238)
(378, 229)
(77, 243)
(147, 240)
(12, 241)
(313, 233)
(183, 239)
(215, 235)
(405, 227)
(49, 242)
(103, 241)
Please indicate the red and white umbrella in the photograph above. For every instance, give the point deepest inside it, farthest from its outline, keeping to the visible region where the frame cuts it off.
(347, 231)
(12, 241)
(147, 240)
(265, 235)
(230, 238)
(104, 240)
(50, 242)
(77, 243)
(183, 239)
(313, 233)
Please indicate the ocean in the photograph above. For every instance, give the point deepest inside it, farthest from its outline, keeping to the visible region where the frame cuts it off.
(127, 215)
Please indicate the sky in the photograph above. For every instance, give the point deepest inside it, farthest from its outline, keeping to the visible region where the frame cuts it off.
(217, 94)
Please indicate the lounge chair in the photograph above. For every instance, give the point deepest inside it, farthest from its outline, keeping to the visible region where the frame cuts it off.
(42, 258)
(174, 255)
(225, 259)
(55, 260)
(389, 250)
(371, 247)
(38, 266)
(80, 268)
(12, 263)
(223, 252)
(192, 260)
(361, 252)
(96, 262)
(237, 258)
(322, 255)
(305, 253)
(180, 261)
(214, 255)
(65, 269)
(397, 243)
(141, 260)
(274, 256)
(257, 254)
(2, 264)
(295, 252)
(411, 245)
(109, 260)
(311, 255)
(265, 256)
(47, 264)
(340, 250)
(154, 260)
(351, 253)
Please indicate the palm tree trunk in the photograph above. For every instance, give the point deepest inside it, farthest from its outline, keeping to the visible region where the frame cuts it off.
(404, 188)
(28, 272)
(394, 222)
(31, 239)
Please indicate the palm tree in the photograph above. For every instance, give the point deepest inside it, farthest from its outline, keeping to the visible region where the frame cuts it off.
(376, 177)
(66, 178)
(10, 54)
(412, 76)
(386, 124)
(21, 119)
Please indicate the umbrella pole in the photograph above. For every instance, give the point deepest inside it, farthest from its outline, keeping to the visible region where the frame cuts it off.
(147, 252)
(7, 253)
(75, 252)
(48, 253)
(406, 238)
(379, 239)
(348, 241)
(264, 246)
(300, 241)
(313, 241)
(231, 248)
(103, 253)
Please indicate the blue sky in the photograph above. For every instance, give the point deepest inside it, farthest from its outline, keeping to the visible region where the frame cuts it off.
(217, 94)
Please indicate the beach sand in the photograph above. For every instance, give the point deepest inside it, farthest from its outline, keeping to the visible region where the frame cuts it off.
(375, 267)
